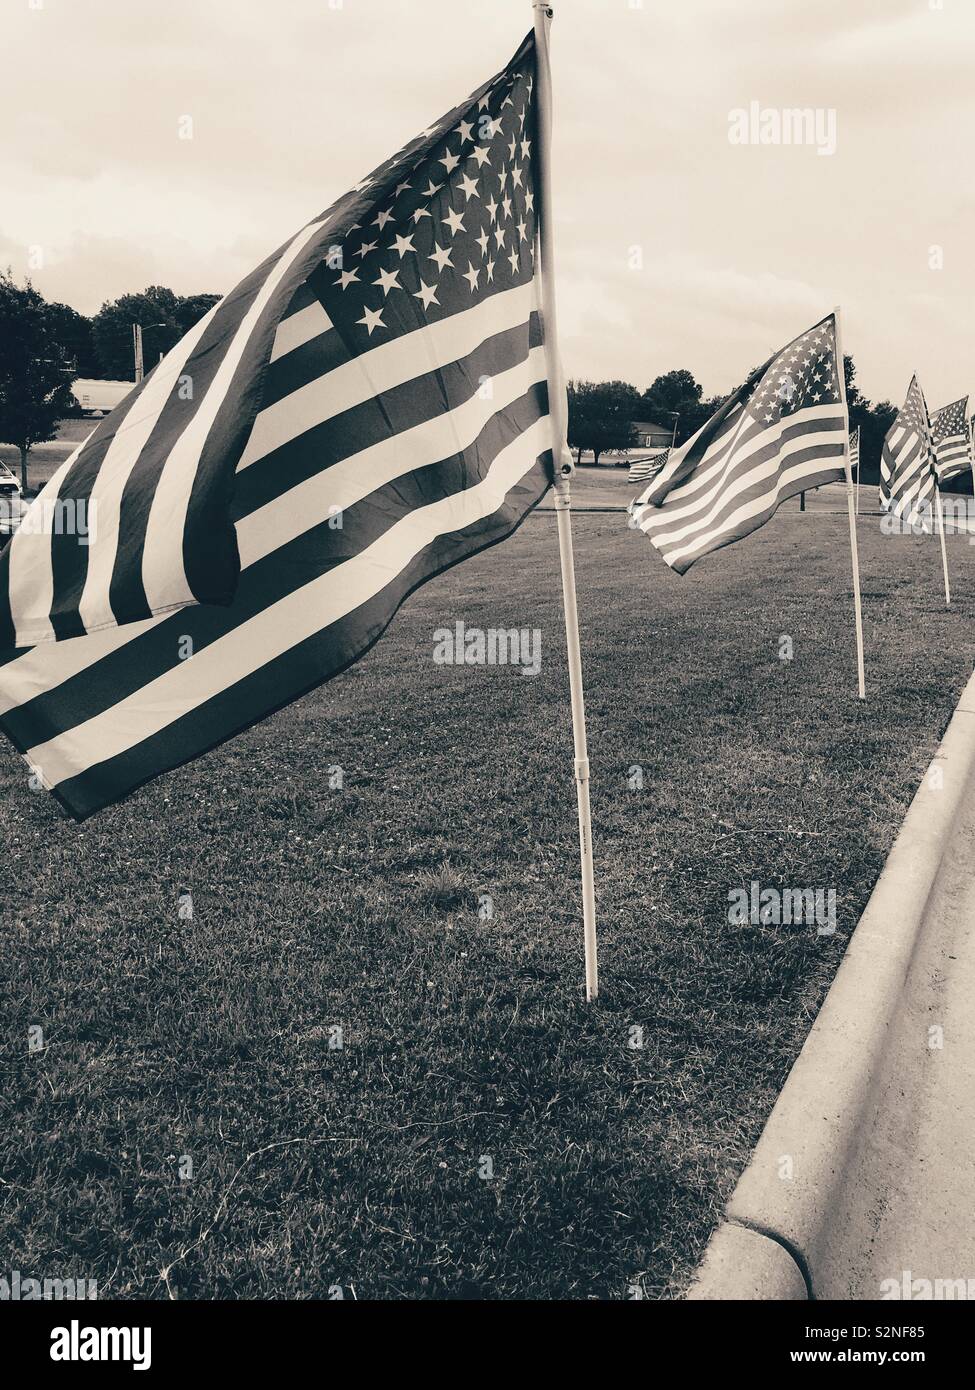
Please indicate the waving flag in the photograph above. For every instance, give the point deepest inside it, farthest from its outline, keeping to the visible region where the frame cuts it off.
(642, 470)
(951, 441)
(396, 414)
(907, 477)
(782, 432)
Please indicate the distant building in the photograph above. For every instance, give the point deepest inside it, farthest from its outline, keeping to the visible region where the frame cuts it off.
(99, 397)
(652, 436)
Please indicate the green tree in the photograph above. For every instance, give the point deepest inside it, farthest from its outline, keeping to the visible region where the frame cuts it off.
(73, 331)
(35, 372)
(677, 394)
(164, 315)
(601, 416)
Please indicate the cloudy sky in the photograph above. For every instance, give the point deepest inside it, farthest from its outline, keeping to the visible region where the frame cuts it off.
(676, 247)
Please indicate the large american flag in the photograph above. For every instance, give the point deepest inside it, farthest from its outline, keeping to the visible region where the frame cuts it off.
(907, 477)
(369, 408)
(951, 440)
(782, 432)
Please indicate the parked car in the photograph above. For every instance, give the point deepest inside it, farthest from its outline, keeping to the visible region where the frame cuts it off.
(12, 505)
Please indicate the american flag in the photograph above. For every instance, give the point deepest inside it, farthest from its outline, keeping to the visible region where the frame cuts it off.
(950, 437)
(907, 475)
(389, 370)
(855, 451)
(642, 470)
(784, 431)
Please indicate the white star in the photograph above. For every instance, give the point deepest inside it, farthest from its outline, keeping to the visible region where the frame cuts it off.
(513, 258)
(366, 247)
(421, 212)
(523, 230)
(499, 236)
(389, 280)
(516, 174)
(401, 188)
(526, 146)
(484, 102)
(382, 219)
(454, 221)
(492, 208)
(441, 256)
(346, 278)
(465, 130)
(428, 293)
(372, 318)
(512, 147)
(506, 204)
(432, 189)
(529, 201)
(472, 276)
(490, 271)
(468, 187)
(449, 161)
(403, 244)
(482, 154)
(482, 242)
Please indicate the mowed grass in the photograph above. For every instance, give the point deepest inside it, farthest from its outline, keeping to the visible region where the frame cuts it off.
(481, 1132)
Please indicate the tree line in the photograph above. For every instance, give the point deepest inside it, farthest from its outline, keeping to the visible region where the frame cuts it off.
(603, 414)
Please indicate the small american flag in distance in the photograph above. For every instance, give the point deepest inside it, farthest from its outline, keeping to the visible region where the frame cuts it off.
(781, 433)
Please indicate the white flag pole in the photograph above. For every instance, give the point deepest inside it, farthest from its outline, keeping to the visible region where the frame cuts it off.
(841, 374)
(940, 520)
(562, 460)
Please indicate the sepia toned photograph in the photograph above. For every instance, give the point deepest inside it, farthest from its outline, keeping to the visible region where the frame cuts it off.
(487, 581)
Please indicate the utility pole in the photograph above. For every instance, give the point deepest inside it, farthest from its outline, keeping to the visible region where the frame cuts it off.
(137, 351)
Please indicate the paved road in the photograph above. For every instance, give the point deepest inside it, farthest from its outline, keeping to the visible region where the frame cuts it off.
(909, 1211)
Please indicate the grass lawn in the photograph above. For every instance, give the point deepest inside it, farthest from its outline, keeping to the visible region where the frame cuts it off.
(467, 1048)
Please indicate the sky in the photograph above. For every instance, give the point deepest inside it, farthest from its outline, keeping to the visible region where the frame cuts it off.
(677, 244)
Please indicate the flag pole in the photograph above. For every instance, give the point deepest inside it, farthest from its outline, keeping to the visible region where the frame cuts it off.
(841, 374)
(944, 549)
(564, 468)
(939, 520)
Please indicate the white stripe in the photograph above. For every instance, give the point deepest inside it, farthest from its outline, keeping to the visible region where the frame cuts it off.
(386, 366)
(335, 489)
(293, 619)
(30, 574)
(43, 668)
(163, 575)
(116, 467)
(298, 329)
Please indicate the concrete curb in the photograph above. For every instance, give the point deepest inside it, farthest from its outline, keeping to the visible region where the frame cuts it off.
(789, 1197)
